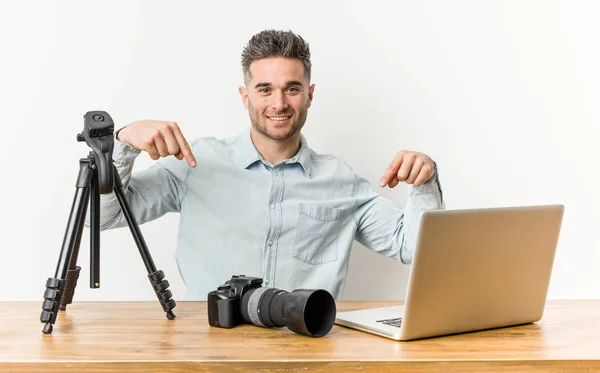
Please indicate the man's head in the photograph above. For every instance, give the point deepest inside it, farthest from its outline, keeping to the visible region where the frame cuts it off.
(277, 92)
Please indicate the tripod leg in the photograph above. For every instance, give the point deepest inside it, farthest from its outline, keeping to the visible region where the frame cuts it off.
(89, 182)
(95, 232)
(156, 276)
(74, 269)
(56, 289)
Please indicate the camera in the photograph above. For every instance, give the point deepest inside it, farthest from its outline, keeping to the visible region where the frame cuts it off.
(243, 300)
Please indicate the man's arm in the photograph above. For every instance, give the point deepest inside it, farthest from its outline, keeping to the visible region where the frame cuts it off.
(388, 229)
(157, 190)
(150, 193)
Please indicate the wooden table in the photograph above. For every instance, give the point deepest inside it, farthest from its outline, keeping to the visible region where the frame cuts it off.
(137, 337)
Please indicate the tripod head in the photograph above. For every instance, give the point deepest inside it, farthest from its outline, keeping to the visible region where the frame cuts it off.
(97, 133)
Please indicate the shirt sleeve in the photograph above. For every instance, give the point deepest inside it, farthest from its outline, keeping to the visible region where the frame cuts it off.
(150, 193)
(385, 228)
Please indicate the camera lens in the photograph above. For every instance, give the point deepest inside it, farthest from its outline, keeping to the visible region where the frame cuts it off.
(309, 312)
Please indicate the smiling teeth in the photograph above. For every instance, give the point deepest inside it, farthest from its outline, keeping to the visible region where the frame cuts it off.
(279, 118)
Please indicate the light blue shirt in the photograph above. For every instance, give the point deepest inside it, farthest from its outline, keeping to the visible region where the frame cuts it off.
(293, 223)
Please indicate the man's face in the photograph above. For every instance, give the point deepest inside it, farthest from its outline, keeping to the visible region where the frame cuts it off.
(277, 97)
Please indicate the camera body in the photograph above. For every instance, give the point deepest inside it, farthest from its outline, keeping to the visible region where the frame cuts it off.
(243, 300)
(224, 304)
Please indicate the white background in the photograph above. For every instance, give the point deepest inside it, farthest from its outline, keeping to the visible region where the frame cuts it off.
(502, 94)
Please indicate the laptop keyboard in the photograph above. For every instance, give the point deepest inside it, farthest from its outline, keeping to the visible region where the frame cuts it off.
(392, 322)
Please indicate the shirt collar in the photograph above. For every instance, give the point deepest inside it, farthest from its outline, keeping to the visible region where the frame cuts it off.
(248, 155)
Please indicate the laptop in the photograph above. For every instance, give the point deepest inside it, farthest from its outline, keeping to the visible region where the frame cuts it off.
(473, 269)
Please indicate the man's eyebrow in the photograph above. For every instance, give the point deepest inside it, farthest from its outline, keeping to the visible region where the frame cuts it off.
(288, 83)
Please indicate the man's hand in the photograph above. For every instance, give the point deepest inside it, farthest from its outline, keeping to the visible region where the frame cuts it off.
(158, 139)
(411, 167)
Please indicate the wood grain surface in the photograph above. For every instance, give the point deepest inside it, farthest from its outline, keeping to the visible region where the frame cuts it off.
(137, 337)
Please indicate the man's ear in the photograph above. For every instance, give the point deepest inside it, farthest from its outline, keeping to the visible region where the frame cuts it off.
(311, 91)
(244, 96)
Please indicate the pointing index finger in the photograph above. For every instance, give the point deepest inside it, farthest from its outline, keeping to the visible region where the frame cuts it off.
(184, 147)
(392, 169)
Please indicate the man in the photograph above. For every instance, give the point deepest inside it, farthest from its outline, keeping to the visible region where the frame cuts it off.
(263, 203)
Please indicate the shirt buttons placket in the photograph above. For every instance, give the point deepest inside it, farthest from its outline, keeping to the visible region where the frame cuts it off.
(270, 244)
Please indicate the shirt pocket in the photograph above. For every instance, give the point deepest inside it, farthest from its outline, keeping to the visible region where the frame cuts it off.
(318, 229)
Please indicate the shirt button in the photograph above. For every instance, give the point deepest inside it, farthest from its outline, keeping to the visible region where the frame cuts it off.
(273, 206)
(267, 281)
(270, 243)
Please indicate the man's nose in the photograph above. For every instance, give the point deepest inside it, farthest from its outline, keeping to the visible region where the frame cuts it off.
(278, 101)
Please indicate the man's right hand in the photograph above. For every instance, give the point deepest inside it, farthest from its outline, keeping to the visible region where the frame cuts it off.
(158, 139)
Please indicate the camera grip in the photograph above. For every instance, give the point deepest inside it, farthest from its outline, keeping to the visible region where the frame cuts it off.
(223, 309)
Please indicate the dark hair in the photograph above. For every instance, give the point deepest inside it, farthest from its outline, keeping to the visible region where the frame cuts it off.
(275, 43)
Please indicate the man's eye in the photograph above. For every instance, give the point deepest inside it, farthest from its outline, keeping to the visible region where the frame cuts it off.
(263, 90)
(293, 89)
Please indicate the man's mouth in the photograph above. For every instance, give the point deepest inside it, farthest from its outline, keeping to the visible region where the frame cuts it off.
(279, 118)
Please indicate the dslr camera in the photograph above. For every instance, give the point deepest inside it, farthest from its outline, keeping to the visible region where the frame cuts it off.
(243, 300)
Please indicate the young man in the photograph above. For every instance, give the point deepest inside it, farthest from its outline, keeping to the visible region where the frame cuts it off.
(263, 203)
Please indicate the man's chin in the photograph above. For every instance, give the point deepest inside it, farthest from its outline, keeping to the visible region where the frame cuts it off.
(281, 134)
(278, 134)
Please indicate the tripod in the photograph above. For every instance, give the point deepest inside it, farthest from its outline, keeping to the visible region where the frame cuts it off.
(97, 175)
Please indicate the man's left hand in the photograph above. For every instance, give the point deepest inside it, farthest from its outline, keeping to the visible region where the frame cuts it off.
(410, 167)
